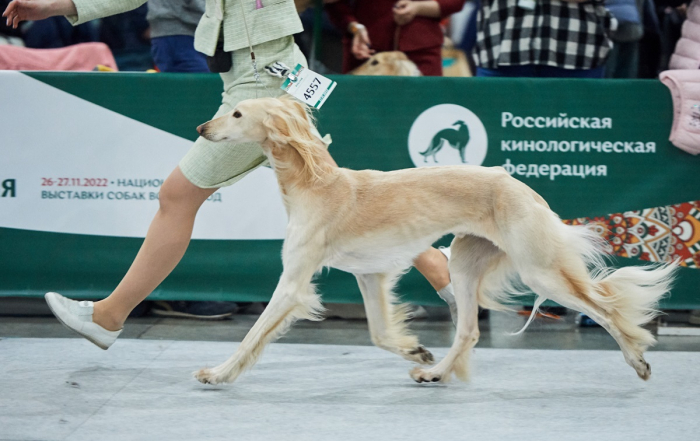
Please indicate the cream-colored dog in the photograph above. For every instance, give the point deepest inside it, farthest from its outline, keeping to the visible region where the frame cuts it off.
(373, 224)
(394, 63)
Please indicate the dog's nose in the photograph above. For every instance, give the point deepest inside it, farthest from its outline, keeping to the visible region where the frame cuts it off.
(200, 128)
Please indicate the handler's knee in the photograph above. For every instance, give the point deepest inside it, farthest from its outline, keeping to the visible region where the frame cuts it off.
(179, 195)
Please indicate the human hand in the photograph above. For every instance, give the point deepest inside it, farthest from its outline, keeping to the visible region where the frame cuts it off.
(22, 10)
(404, 12)
(361, 45)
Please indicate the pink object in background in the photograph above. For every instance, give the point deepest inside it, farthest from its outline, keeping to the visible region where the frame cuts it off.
(83, 56)
(258, 4)
(687, 53)
(685, 91)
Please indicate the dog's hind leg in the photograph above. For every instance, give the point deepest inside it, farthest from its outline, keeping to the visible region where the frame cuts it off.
(473, 260)
(387, 318)
(573, 294)
(294, 298)
(565, 263)
(605, 303)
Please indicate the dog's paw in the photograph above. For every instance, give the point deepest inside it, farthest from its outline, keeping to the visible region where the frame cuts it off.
(207, 376)
(421, 375)
(643, 369)
(419, 355)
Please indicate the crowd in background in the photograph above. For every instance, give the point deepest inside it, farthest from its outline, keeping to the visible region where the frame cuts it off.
(611, 38)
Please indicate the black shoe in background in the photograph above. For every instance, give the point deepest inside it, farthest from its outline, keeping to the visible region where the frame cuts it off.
(194, 310)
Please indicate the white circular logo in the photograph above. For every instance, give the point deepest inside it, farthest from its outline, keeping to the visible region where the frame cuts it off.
(447, 134)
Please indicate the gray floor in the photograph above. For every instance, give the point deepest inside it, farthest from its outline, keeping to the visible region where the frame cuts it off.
(324, 381)
(66, 389)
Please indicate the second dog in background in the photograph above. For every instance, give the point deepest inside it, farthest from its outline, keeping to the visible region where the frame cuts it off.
(394, 63)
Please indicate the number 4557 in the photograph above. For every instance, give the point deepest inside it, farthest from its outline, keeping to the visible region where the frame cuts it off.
(311, 90)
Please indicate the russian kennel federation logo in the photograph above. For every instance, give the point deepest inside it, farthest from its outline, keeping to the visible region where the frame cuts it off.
(447, 134)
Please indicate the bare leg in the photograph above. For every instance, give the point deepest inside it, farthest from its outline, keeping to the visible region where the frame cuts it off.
(165, 244)
(433, 265)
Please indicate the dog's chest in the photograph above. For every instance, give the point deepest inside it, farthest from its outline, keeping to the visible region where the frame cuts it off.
(375, 259)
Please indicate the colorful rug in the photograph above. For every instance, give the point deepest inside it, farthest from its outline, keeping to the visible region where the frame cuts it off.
(659, 234)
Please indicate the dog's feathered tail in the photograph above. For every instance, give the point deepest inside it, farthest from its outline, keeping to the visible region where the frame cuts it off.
(629, 295)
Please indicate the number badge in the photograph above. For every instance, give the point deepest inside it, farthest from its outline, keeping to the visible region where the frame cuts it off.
(308, 86)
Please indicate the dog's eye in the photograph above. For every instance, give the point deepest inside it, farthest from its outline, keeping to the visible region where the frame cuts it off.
(237, 114)
(374, 62)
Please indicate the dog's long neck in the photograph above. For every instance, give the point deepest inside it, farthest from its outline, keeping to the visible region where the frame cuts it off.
(301, 166)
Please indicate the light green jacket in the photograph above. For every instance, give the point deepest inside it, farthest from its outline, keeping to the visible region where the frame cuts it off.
(276, 19)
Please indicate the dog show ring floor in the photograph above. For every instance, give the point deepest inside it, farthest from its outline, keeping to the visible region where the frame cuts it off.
(143, 389)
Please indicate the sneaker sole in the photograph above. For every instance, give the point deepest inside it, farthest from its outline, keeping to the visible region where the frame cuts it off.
(86, 337)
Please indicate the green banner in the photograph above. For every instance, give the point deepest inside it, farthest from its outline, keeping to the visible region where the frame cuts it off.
(596, 150)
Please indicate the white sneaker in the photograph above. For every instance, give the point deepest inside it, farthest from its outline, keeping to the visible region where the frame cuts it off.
(78, 317)
(446, 251)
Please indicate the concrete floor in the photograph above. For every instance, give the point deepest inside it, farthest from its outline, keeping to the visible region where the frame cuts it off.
(66, 389)
(324, 381)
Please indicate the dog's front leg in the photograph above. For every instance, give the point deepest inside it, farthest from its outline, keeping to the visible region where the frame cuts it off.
(387, 319)
(293, 299)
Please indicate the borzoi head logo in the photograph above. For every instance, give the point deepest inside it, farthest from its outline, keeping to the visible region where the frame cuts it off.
(447, 134)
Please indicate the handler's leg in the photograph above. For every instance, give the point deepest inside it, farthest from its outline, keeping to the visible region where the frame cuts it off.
(165, 244)
(433, 265)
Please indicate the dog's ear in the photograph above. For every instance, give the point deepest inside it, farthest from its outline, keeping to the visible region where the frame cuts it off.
(277, 130)
(287, 122)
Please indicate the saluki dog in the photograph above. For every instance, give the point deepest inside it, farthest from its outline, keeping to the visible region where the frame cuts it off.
(374, 224)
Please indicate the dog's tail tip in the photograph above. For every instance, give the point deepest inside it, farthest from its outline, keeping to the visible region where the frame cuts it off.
(538, 302)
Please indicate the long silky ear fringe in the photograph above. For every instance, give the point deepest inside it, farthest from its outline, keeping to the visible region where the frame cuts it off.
(291, 123)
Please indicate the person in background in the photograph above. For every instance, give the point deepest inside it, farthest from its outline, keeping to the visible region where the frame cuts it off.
(173, 23)
(128, 36)
(529, 38)
(412, 27)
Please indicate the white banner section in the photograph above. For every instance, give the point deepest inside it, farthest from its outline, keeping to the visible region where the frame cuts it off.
(70, 166)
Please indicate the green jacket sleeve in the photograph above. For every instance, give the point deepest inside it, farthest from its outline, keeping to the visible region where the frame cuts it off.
(92, 9)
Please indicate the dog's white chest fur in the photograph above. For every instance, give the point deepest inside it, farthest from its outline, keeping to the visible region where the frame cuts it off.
(376, 259)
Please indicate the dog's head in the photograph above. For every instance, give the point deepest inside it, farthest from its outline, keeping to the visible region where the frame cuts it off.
(279, 120)
(277, 124)
(393, 63)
